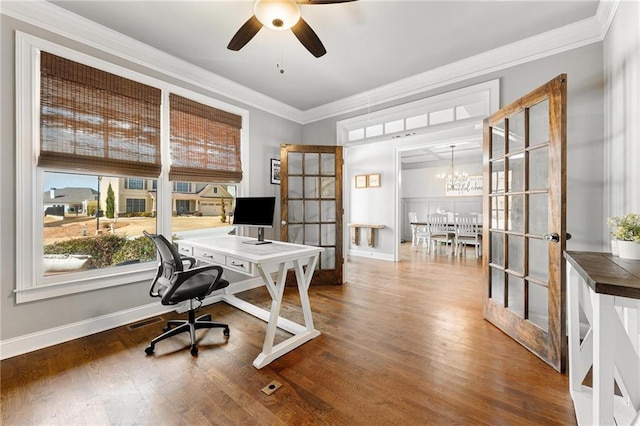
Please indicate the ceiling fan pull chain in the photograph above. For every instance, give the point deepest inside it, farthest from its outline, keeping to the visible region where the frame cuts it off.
(280, 61)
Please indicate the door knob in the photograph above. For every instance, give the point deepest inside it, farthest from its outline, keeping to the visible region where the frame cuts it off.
(283, 223)
(552, 238)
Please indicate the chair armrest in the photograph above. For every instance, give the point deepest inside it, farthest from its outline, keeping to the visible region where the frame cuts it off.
(191, 260)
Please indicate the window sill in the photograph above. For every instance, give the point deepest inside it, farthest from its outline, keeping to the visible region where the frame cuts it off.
(125, 275)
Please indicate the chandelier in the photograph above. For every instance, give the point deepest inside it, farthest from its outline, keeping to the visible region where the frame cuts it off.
(453, 179)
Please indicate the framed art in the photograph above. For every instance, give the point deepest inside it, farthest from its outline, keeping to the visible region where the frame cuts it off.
(361, 181)
(373, 181)
(275, 171)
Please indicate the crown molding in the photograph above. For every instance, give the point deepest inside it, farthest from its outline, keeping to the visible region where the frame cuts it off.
(57, 20)
(572, 36)
(605, 14)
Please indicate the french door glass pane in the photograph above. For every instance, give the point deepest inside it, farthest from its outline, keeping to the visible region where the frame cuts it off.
(516, 253)
(328, 234)
(539, 305)
(328, 187)
(311, 163)
(497, 212)
(516, 132)
(311, 211)
(295, 234)
(539, 259)
(497, 141)
(295, 187)
(311, 187)
(328, 164)
(515, 219)
(497, 286)
(497, 249)
(328, 211)
(539, 123)
(312, 234)
(294, 163)
(516, 295)
(538, 168)
(328, 258)
(516, 173)
(538, 214)
(295, 211)
(497, 176)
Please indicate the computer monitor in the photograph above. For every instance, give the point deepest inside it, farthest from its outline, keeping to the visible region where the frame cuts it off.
(256, 212)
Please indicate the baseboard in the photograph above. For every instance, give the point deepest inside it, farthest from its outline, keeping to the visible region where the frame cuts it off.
(371, 255)
(53, 336)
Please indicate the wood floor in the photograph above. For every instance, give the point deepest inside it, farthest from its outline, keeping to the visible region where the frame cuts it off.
(402, 344)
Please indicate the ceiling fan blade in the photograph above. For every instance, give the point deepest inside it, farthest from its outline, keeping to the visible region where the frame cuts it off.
(323, 1)
(308, 38)
(245, 34)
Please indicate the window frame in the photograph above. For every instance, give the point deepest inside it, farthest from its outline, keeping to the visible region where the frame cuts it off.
(31, 284)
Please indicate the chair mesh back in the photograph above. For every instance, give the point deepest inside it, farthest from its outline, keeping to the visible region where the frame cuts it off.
(168, 263)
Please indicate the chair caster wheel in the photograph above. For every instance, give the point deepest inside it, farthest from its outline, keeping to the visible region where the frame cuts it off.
(149, 350)
(226, 333)
(194, 350)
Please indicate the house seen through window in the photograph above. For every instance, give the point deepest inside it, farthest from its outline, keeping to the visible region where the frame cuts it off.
(99, 220)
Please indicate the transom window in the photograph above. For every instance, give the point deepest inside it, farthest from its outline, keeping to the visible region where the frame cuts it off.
(457, 107)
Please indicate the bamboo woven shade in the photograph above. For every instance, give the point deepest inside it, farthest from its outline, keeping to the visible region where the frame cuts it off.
(205, 142)
(96, 121)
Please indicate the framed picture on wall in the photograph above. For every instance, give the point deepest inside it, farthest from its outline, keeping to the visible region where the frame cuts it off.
(361, 181)
(275, 171)
(373, 181)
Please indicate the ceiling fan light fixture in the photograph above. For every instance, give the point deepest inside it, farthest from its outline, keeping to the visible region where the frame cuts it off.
(277, 14)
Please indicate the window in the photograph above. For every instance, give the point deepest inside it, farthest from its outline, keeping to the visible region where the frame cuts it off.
(97, 134)
(134, 183)
(92, 229)
(136, 205)
(456, 108)
(181, 187)
(209, 211)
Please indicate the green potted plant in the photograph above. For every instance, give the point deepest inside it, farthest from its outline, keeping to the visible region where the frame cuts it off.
(627, 235)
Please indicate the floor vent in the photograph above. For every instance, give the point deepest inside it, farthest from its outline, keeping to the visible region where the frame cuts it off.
(144, 323)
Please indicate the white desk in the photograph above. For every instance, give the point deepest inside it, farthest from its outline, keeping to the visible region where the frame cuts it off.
(260, 261)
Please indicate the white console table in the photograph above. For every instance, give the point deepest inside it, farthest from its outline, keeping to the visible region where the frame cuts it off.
(604, 290)
(260, 261)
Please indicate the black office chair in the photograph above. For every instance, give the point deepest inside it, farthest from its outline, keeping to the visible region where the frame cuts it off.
(174, 284)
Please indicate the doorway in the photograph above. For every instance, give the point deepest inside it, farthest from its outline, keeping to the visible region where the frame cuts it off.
(424, 191)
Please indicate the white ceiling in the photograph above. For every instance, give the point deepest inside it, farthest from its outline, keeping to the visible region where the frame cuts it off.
(369, 43)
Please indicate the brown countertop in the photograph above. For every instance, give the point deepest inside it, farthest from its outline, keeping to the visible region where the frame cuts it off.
(606, 273)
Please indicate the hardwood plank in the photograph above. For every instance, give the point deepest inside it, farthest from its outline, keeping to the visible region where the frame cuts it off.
(401, 343)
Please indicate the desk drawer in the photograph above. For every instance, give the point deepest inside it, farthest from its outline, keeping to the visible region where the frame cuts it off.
(239, 265)
(185, 250)
(209, 256)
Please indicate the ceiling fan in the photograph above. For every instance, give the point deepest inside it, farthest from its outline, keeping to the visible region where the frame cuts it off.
(281, 15)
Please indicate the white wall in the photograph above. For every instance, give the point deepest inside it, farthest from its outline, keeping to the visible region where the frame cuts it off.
(622, 111)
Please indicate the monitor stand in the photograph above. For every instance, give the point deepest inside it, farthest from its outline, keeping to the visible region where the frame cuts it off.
(260, 239)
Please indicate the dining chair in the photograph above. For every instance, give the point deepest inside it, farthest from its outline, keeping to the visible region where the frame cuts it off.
(418, 232)
(440, 231)
(467, 232)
